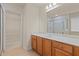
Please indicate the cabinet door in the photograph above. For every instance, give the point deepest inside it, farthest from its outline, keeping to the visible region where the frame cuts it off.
(59, 52)
(39, 45)
(46, 47)
(76, 51)
(52, 48)
(33, 42)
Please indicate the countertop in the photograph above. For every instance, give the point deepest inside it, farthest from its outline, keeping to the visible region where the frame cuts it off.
(60, 38)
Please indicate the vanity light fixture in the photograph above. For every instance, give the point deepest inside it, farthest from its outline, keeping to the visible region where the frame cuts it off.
(50, 5)
(54, 4)
(47, 7)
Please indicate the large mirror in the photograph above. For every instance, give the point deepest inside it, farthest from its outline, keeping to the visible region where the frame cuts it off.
(57, 24)
(74, 18)
(66, 24)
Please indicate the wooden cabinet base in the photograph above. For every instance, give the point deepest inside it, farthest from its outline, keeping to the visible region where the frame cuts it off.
(47, 47)
(76, 51)
(61, 53)
(39, 45)
(34, 42)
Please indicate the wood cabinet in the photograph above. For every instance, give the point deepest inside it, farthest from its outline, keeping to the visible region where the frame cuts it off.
(67, 48)
(62, 49)
(46, 47)
(34, 43)
(52, 48)
(57, 44)
(39, 45)
(76, 51)
(59, 52)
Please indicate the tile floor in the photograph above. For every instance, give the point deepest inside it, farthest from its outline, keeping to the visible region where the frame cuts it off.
(19, 52)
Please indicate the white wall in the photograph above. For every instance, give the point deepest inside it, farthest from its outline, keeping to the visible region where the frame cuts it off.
(43, 20)
(34, 21)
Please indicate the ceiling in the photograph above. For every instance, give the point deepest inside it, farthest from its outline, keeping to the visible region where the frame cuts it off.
(39, 4)
(21, 5)
(64, 8)
(14, 4)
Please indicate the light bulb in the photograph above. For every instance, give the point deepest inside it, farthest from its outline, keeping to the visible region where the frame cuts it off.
(56, 15)
(50, 5)
(47, 7)
(54, 4)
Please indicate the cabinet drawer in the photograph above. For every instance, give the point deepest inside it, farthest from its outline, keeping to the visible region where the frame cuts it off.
(57, 44)
(67, 48)
(59, 52)
(33, 36)
(62, 46)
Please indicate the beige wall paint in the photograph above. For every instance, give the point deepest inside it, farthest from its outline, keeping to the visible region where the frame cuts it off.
(34, 21)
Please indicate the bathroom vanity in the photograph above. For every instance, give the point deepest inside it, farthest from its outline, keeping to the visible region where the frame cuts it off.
(54, 45)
